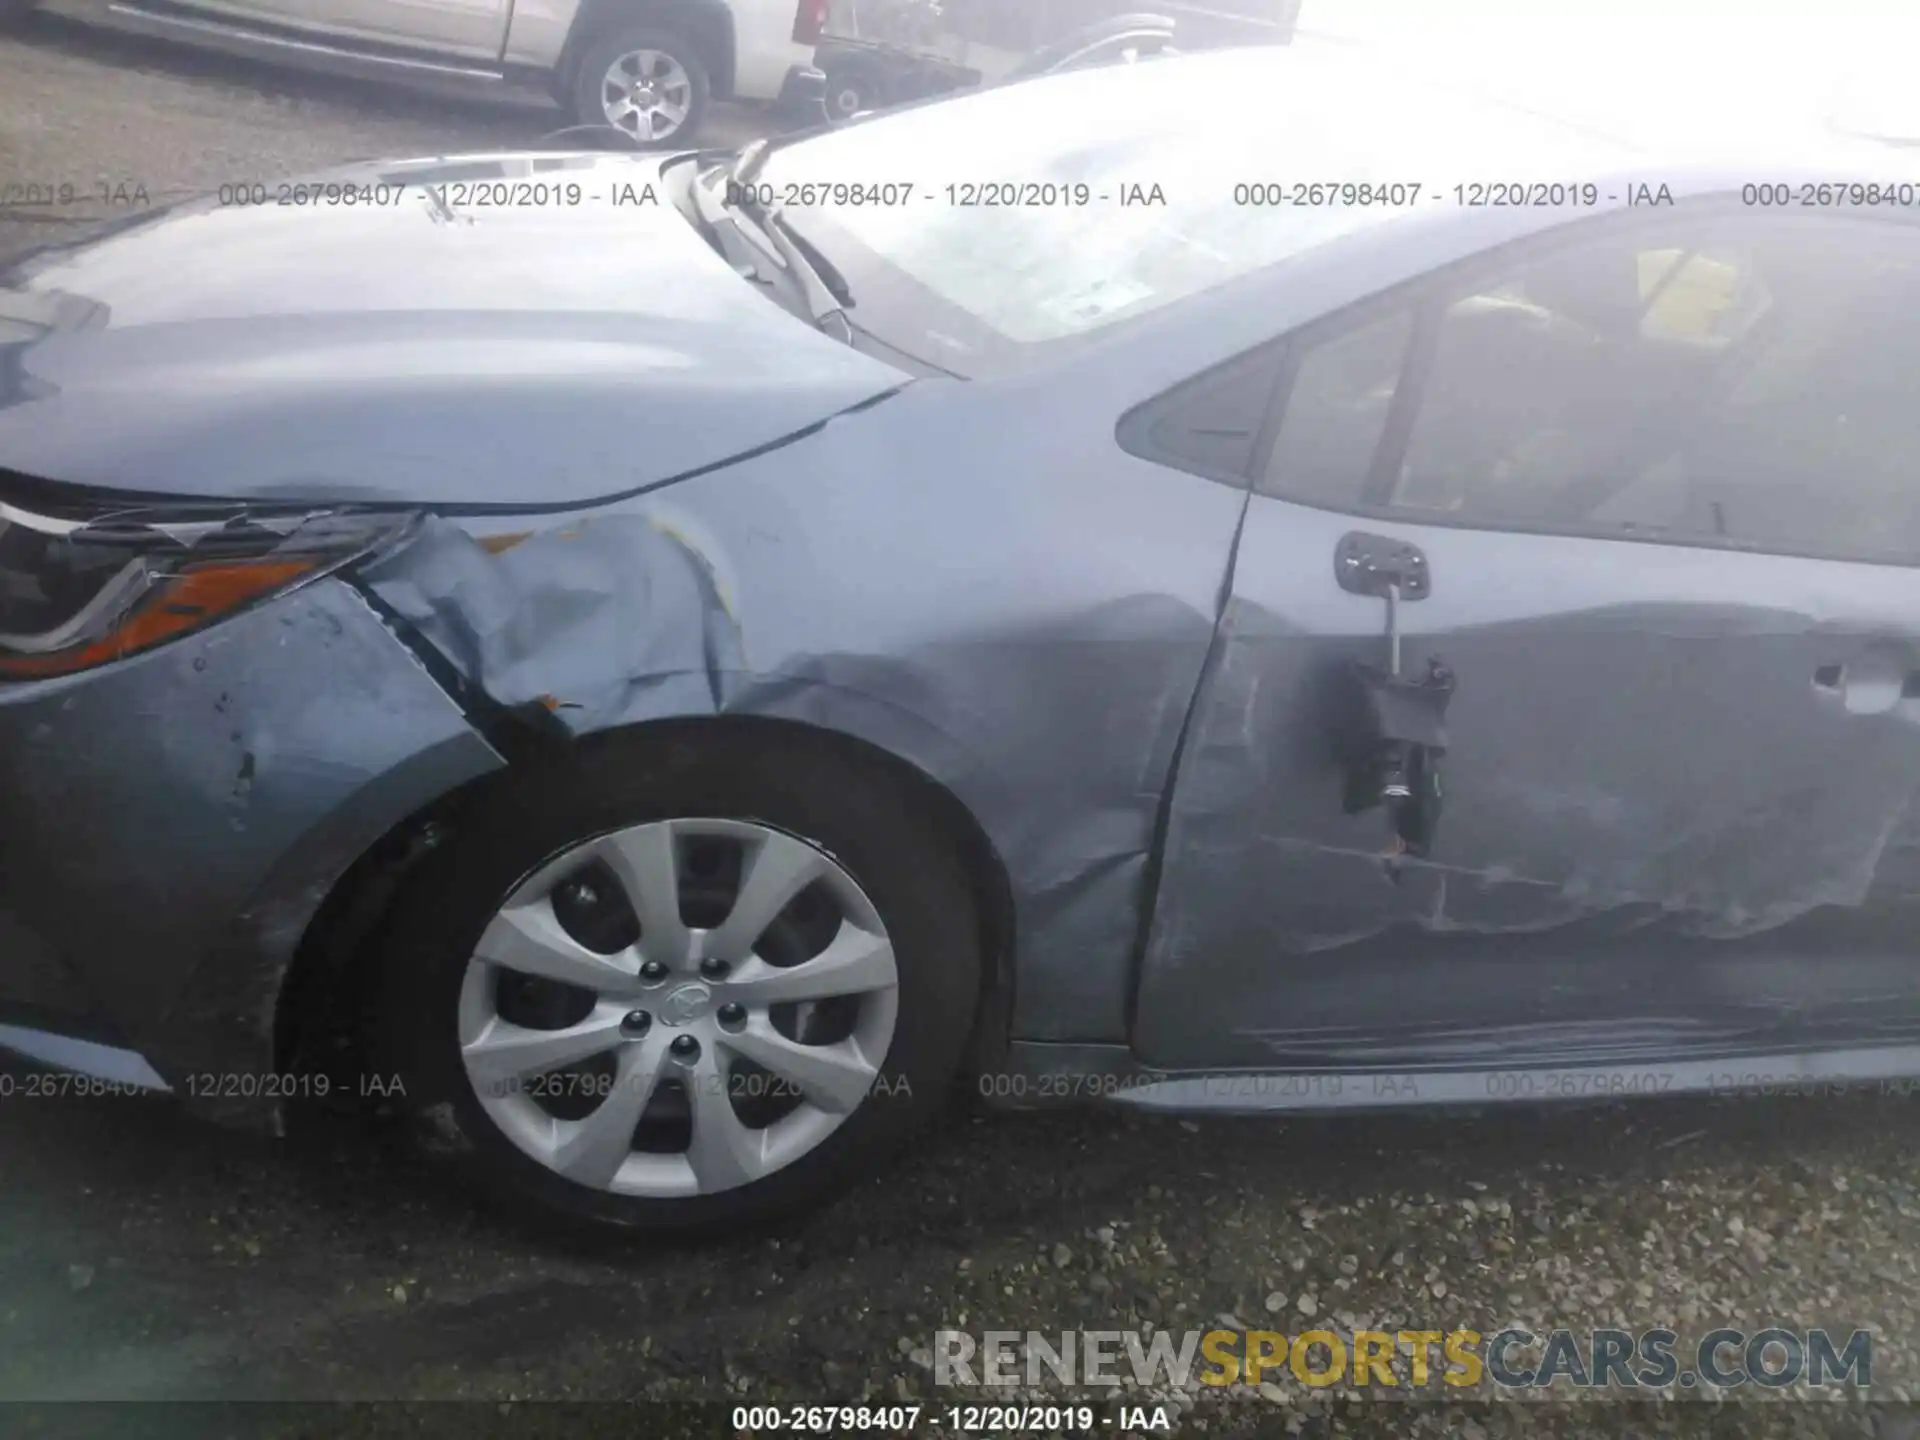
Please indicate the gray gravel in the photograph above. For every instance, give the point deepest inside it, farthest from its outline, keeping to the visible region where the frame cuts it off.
(144, 1256)
(334, 1266)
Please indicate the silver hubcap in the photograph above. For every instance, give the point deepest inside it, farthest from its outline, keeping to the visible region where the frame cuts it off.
(646, 93)
(678, 1008)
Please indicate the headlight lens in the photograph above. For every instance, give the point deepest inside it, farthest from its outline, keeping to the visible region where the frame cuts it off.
(76, 593)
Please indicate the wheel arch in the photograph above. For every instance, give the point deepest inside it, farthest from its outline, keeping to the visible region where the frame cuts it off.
(708, 24)
(318, 1017)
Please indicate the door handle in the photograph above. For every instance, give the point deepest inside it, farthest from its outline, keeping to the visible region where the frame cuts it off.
(1872, 686)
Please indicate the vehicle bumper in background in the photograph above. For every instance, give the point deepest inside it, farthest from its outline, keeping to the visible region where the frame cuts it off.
(803, 95)
(170, 825)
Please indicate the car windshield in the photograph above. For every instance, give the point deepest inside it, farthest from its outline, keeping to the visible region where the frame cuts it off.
(1045, 211)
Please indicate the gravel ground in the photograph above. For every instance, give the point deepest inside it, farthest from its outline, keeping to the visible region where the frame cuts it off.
(332, 1265)
(143, 1256)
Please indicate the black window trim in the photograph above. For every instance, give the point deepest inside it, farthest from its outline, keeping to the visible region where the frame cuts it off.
(1427, 296)
(1403, 411)
(1133, 432)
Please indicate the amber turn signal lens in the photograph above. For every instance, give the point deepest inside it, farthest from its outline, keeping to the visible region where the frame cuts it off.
(197, 596)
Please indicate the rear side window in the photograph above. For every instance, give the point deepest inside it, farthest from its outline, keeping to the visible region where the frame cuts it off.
(1211, 424)
(1745, 381)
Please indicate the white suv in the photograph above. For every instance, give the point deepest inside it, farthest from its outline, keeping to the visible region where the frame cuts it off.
(647, 67)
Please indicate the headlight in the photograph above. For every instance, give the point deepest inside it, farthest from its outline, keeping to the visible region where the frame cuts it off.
(86, 589)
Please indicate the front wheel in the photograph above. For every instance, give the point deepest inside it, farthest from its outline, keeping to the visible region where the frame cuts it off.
(651, 85)
(684, 984)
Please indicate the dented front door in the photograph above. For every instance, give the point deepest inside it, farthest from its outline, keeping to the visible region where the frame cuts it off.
(1679, 781)
(1667, 807)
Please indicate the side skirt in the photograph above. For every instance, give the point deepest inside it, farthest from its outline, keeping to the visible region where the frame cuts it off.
(1039, 1075)
(88, 1058)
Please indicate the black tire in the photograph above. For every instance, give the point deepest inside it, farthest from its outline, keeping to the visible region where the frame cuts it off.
(597, 56)
(781, 777)
(853, 87)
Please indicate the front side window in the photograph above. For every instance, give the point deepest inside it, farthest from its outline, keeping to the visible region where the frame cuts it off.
(1337, 409)
(1746, 381)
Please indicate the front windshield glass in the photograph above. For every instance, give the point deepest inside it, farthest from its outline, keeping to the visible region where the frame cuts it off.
(1047, 210)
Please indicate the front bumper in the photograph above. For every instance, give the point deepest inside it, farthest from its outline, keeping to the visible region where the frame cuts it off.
(170, 825)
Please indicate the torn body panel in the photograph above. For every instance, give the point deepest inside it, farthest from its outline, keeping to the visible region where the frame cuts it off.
(172, 823)
(1681, 796)
(1042, 683)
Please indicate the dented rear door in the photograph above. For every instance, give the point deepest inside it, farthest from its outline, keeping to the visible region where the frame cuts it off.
(1662, 482)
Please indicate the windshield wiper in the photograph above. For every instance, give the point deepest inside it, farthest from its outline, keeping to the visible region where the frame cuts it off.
(746, 169)
(826, 301)
(723, 229)
(751, 160)
(754, 155)
(823, 287)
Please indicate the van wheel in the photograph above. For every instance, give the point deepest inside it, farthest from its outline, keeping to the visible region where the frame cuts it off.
(649, 84)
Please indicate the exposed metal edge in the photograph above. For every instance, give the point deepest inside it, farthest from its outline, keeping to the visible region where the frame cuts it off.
(136, 17)
(83, 1057)
(1266, 1092)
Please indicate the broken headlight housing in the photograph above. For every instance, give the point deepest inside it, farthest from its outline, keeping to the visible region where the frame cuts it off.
(83, 585)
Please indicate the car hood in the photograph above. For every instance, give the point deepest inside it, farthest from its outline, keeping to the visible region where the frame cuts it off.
(511, 331)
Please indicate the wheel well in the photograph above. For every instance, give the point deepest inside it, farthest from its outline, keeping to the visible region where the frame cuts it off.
(708, 24)
(318, 1020)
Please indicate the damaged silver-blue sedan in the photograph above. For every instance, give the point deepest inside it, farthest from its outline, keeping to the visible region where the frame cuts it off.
(1239, 582)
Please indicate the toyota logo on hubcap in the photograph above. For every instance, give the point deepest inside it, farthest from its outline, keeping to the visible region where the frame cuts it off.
(686, 1004)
